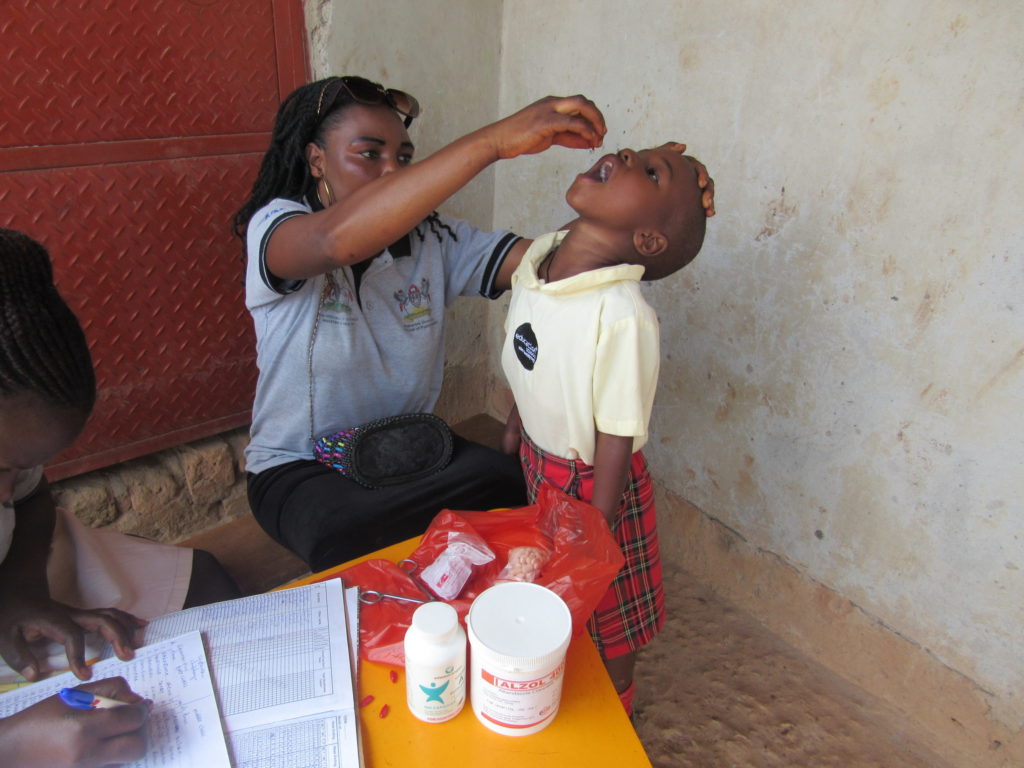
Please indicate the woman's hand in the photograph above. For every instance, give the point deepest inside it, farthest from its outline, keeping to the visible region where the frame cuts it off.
(568, 121)
(705, 182)
(51, 734)
(25, 620)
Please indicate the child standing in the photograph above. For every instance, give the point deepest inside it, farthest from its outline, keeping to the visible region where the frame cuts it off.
(581, 355)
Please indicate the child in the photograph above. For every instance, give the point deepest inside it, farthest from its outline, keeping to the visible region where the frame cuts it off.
(47, 391)
(581, 356)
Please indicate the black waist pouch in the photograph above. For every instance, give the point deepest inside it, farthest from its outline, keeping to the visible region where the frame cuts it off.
(390, 451)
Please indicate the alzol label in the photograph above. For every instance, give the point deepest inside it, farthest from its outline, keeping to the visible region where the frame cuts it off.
(519, 703)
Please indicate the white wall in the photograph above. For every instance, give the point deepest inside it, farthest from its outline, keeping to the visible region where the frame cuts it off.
(842, 377)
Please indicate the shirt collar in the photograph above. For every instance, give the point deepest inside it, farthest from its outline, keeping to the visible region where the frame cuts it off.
(401, 247)
(543, 245)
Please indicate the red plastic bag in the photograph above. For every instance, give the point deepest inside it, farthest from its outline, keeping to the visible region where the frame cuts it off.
(583, 558)
(382, 624)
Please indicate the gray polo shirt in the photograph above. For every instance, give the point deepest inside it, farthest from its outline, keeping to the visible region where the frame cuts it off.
(376, 353)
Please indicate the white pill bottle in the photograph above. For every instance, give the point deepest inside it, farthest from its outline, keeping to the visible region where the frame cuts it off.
(435, 663)
(518, 637)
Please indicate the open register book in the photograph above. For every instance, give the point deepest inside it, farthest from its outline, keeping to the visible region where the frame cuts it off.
(281, 672)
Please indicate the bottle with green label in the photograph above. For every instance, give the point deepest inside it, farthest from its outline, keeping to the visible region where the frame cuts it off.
(435, 663)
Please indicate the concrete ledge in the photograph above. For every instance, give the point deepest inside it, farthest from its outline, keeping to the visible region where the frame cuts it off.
(954, 712)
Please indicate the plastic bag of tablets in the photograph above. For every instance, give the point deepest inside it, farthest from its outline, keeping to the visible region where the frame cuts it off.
(559, 542)
(450, 570)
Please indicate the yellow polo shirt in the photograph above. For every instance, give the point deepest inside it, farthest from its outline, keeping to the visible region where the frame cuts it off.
(581, 354)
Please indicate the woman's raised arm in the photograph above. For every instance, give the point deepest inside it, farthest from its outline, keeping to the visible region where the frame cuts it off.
(380, 211)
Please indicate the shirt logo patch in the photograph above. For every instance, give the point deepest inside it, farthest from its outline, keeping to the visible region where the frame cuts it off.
(524, 342)
(414, 302)
(337, 295)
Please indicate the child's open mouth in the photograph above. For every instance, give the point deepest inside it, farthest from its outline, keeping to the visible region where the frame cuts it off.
(602, 171)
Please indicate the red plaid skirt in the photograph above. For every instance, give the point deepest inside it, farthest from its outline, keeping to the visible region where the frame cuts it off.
(633, 609)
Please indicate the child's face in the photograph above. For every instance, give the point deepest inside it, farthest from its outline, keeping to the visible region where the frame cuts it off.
(31, 433)
(632, 190)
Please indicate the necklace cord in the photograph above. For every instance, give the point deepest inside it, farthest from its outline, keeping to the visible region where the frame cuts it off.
(546, 264)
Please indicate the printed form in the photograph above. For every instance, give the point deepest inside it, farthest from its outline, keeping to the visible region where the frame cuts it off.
(282, 668)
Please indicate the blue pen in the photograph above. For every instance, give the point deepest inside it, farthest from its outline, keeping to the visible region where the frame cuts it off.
(79, 699)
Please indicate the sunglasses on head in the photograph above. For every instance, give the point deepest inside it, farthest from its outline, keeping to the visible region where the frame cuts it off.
(363, 91)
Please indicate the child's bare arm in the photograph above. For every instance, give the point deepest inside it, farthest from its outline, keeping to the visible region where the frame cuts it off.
(513, 432)
(611, 468)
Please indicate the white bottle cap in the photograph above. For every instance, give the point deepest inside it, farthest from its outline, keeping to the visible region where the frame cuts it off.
(435, 622)
(521, 625)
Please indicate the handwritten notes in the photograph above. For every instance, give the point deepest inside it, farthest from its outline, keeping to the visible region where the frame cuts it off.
(183, 730)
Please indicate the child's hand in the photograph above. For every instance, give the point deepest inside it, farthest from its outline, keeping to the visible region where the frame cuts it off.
(704, 181)
(568, 121)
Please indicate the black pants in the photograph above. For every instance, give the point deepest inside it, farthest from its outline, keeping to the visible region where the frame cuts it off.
(326, 519)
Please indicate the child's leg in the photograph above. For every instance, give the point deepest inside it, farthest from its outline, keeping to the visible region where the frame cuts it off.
(620, 670)
(633, 610)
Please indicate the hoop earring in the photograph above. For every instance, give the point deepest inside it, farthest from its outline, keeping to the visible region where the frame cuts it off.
(330, 193)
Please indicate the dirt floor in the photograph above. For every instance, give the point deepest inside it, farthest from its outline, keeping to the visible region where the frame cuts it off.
(718, 690)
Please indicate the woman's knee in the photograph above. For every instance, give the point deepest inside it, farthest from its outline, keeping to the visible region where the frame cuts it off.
(209, 582)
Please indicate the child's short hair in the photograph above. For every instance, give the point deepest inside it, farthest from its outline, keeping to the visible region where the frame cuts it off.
(42, 346)
(686, 229)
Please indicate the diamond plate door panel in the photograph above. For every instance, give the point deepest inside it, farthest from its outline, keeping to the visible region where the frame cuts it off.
(131, 133)
(141, 254)
(78, 71)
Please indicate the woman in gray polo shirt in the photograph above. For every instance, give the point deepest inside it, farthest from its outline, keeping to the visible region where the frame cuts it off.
(349, 271)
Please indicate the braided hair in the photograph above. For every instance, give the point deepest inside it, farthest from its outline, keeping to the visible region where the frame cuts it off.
(284, 171)
(42, 346)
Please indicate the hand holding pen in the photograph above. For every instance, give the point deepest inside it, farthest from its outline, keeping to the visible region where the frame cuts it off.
(109, 731)
(79, 698)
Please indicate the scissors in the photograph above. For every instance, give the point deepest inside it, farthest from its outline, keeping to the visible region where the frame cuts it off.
(373, 596)
(410, 567)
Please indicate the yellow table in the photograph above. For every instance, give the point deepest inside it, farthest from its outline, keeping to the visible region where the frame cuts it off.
(590, 730)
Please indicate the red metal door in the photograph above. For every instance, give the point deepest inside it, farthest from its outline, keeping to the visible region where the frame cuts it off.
(130, 132)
